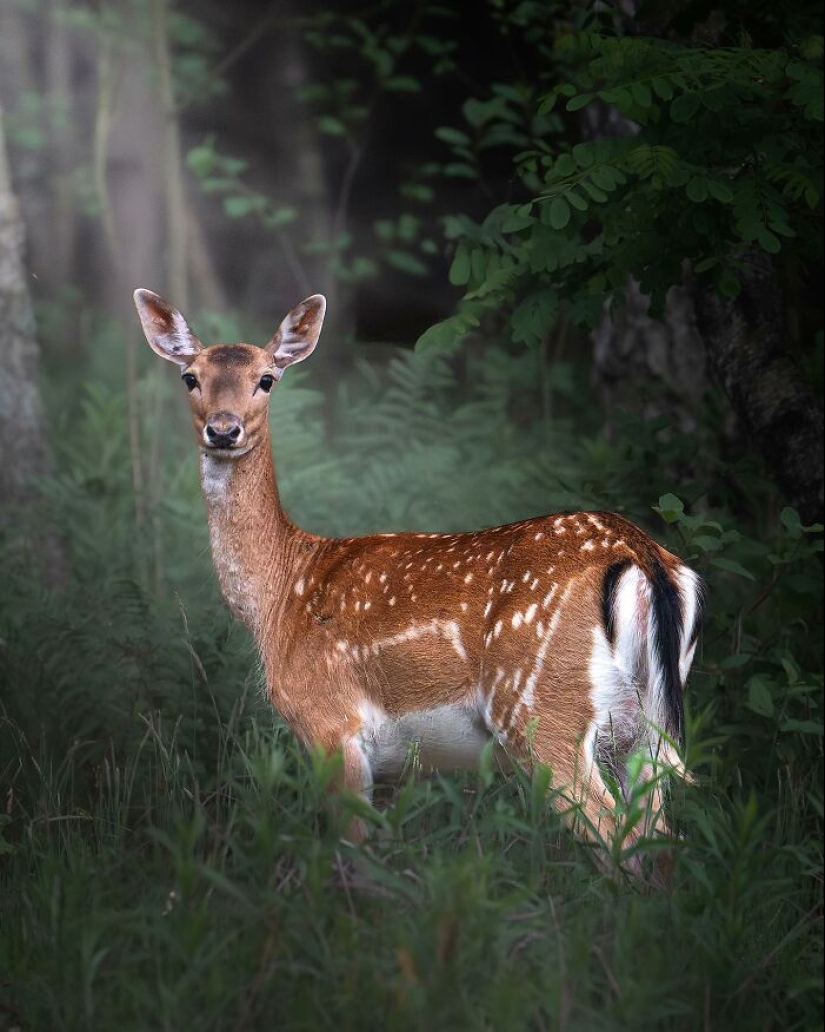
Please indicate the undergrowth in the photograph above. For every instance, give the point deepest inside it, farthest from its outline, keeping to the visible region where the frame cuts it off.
(168, 860)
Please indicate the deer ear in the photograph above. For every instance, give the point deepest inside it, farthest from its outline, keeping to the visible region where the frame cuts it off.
(298, 333)
(166, 329)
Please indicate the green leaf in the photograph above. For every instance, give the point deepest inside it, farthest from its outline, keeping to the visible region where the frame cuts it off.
(603, 178)
(731, 566)
(727, 283)
(759, 697)
(517, 220)
(598, 195)
(548, 103)
(719, 190)
(706, 543)
(405, 262)
(802, 727)
(685, 107)
(280, 217)
(201, 159)
(577, 103)
(331, 125)
(403, 84)
(789, 518)
(460, 170)
(443, 336)
(559, 213)
(641, 94)
(670, 508)
(697, 189)
(237, 206)
(455, 137)
(460, 269)
(767, 241)
(534, 317)
(738, 659)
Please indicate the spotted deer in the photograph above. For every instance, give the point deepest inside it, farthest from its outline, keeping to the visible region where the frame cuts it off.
(567, 638)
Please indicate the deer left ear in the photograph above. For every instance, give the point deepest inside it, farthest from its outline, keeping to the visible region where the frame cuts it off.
(165, 329)
(298, 334)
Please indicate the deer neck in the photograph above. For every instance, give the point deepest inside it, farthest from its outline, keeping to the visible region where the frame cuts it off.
(253, 543)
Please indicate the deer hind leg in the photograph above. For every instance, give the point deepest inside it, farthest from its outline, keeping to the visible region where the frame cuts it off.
(584, 800)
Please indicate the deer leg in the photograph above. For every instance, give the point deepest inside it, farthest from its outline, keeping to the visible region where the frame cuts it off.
(585, 802)
(356, 777)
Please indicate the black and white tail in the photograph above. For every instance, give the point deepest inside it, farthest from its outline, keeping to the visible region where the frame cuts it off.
(642, 656)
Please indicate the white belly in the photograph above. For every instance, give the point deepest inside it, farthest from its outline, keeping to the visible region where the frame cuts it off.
(445, 738)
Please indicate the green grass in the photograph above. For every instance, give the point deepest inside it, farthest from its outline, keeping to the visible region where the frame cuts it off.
(164, 897)
(168, 858)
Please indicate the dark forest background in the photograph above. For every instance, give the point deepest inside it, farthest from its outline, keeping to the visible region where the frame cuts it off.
(573, 258)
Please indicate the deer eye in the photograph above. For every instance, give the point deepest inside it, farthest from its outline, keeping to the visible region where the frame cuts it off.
(190, 380)
(266, 383)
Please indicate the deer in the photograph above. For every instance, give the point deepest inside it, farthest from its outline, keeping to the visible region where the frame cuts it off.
(564, 639)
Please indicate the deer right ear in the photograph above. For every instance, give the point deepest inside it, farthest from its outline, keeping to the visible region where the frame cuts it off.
(298, 334)
(166, 329)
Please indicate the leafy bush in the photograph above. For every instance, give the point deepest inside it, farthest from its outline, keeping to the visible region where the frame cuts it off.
(709, 151)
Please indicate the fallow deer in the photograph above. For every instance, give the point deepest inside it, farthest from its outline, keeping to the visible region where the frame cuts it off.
(567, 638)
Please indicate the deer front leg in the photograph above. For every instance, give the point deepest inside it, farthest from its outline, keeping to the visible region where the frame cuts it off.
(356, 776)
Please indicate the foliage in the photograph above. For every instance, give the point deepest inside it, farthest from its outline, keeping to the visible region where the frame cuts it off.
(717, 150)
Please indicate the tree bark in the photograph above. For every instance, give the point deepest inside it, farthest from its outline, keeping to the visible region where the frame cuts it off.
(632, 349)
(25, 455)
(745, 344)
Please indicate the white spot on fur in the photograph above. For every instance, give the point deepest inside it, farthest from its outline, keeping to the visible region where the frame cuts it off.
(528, 695)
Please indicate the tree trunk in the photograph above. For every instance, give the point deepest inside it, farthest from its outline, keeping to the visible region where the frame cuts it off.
(745, 343)
(631, 349)
(25, 457)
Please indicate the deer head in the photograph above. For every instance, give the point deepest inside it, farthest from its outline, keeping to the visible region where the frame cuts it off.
(229, 384)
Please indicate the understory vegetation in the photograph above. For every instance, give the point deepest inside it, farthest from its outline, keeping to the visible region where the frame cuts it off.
(499, 208)
(167, 857)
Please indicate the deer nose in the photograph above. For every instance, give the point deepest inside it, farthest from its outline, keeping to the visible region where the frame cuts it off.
(223, 430)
